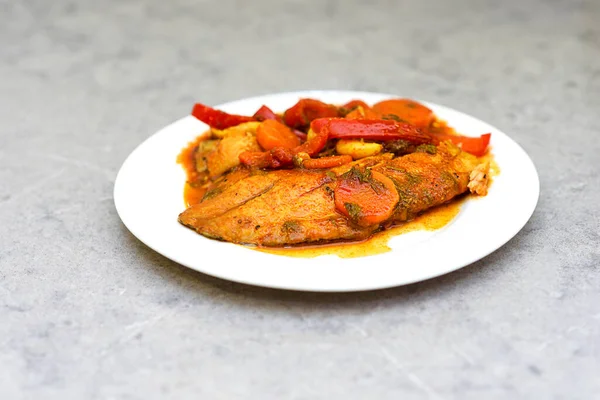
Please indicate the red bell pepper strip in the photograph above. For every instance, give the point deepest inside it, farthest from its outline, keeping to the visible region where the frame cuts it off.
(304, 111)
(316, 143)
(474, 145)
(216, 118)
(378, 129)
(301, 135)
(265, 113)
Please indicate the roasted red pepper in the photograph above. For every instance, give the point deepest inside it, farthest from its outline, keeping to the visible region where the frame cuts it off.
(265, 113)
(315, 143)
(474, 145)
(379, 129)
(301, 135)
(304, 111)
(216, 118)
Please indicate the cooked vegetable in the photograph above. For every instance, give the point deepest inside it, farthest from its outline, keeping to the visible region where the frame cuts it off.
(279, 156)
(357, 148)
(326, 162)
(340, 128)
(301, 135)
(393, 122)
(227, 153)
(205, 147)
(265, 113)
(405, 110)
(250, 127)
(271, 134)
(366, 197)
(217, 118)
(302, 113)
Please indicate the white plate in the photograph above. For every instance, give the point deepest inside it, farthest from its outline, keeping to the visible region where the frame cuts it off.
(149, 197)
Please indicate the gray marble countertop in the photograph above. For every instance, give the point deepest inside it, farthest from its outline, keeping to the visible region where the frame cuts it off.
(89, 312)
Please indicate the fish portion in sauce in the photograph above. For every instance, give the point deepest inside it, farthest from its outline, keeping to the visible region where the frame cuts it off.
(309, 177)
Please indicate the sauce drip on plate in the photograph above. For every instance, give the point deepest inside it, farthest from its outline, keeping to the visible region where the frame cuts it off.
(432, 220)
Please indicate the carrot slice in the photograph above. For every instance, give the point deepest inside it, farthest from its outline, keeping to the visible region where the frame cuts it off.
(271, 134)
(366, 197)
(405, 110)
(326, 162)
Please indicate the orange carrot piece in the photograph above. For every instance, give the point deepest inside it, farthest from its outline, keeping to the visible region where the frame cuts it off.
(405, 110)
(272, 133)
(326, 162)
(366, 197)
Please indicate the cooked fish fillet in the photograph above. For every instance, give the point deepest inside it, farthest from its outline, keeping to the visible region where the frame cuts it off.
(297, 206)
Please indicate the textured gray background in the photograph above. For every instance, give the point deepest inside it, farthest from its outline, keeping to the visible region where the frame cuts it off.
(87, 311)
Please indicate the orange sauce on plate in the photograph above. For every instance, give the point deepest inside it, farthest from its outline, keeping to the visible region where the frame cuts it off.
(196, 184)
(432, 220)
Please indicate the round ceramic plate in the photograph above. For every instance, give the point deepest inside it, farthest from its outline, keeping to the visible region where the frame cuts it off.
(149, 197)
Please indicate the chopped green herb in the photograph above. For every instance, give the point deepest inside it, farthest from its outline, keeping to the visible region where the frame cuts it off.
(393, 117)
(291, 227)
(356, 174)
(331, 175)
(426, 148)
(212, 193)
(329, 191)
(354, 210)
(413, 179)
(364, 176)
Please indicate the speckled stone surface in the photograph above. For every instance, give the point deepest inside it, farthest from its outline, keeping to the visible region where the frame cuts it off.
(88, 312)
